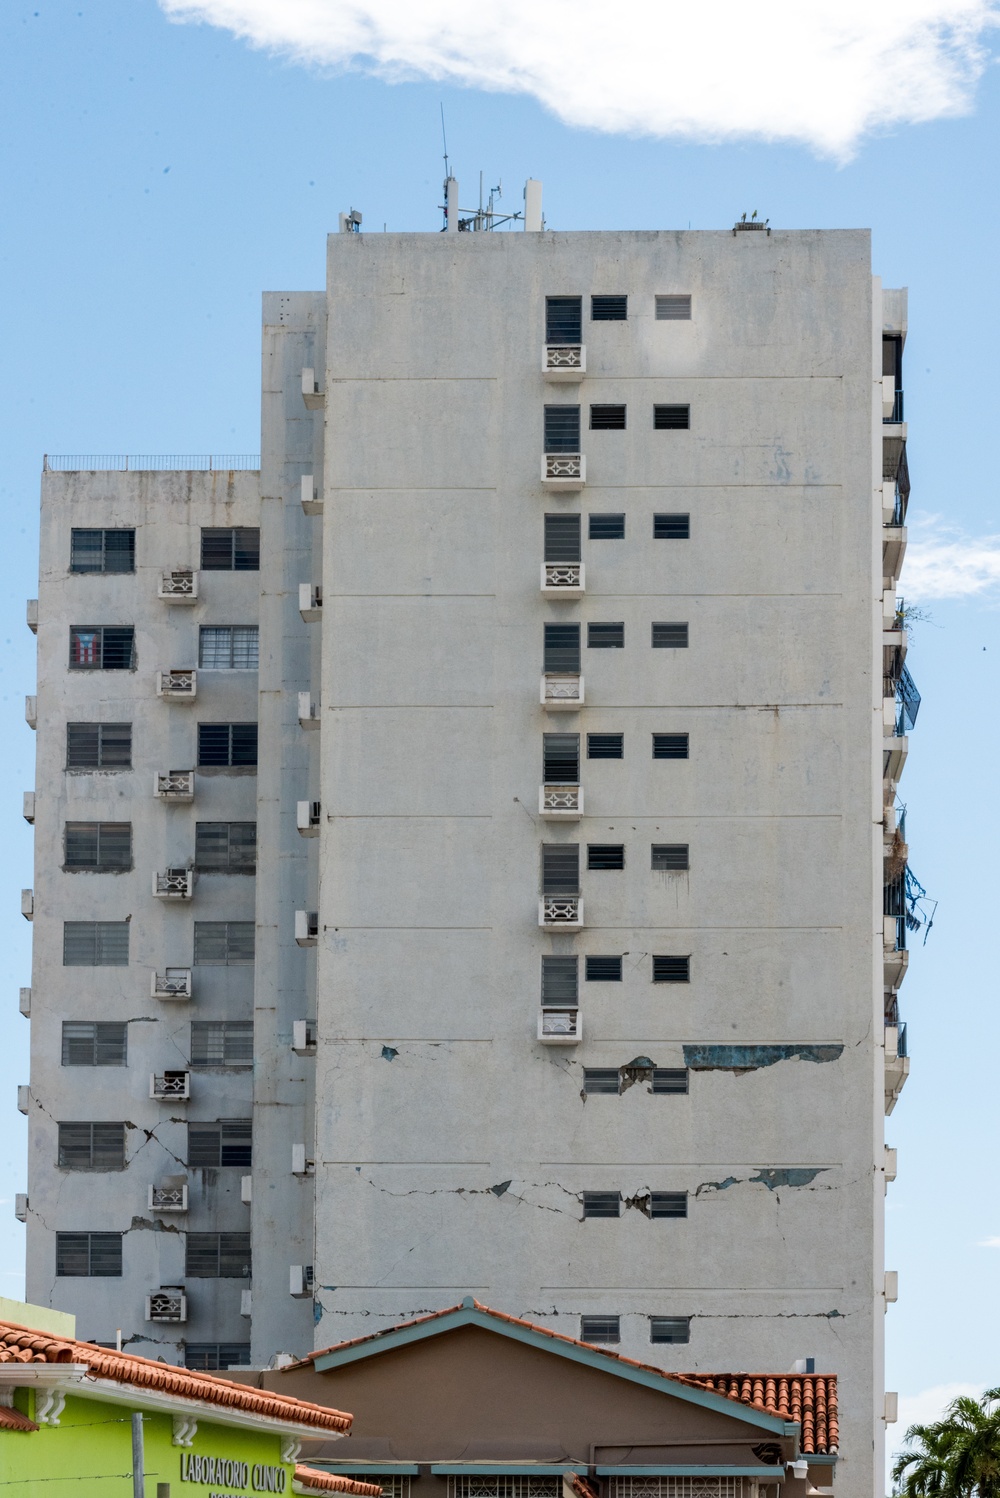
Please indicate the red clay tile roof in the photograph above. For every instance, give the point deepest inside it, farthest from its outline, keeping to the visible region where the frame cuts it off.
(14, 1420)
(328, 1482)
(809, 1398)
(21, 1344)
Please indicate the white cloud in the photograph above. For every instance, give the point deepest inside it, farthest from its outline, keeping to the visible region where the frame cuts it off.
(820, 72)
(989, 1243)
(921, 1409)
(943, 562)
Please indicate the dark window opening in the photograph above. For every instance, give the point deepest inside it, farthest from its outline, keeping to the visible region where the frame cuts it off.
(670, 856)
(605, 855)
(211, 1357)
(602, 1204)
(560, 981)
(560, 868)
(223, 943)
(601, 1080)
(92, 1146)
(605, 746)
(673, 1329)
(227, 744)
(98, 846)
(600, 1329)
(668, 1204)
(607, 418)
(607, 527)
(98, 746)
(671, 418)
(102, 551)
(671, 969)
(562, 429)
(561, 758)
(608, 308)
(606, 636)
(564, 319)
(217, 1256)
(604, 969)
(562, 538)
(670, 1081)
(94, 1255)
(227, 1142)
(94, 1043)
(561, 648)
(101, 647)
(671, 527)
(225, 847)
(95, 943)
(670, 746)
(670, 635)
(222, 1042)
(234, 549)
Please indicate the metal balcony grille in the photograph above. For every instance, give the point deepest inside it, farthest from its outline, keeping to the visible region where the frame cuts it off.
(136, 463)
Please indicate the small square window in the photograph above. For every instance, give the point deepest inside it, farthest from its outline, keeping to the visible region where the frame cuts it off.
(673, 1329)
(610, 636)
(670, 1081)
(670, 635)
(671, 969)
(604, 969)
(600, 1329)
(672, 856)
(608, 308)
(606, 527)
(671, 418)
(672, 527)
(605, 855)
(605, 746)
(601, 1080)
(670, 746)
(607, 418)
(668, 1204)
(674, 307)
(602, 1204)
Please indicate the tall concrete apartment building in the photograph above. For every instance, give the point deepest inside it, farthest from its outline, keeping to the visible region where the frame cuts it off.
(459, 841)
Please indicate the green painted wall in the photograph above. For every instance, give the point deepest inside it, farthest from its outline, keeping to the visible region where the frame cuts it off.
(90, 1451)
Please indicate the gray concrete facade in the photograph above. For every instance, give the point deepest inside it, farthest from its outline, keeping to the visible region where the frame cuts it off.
(423, 1144)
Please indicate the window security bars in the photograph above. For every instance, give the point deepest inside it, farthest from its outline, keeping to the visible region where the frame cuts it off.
(236, 549)
(671, 969)
(560, 981)
(607, 418)
(678, 1487)
(606, 527)
(563, 320)
(225, 847)
(230, 745)
(227, 1042)
(562, 429)
(98, 746)
(231, 648)
(95, 943)
(606, 635)
(608, 308)
(489, 1486)
(98, 846)
(671, 418)
(102, 551)
(217, 1256)
(101, 647)
(674, 307)
(671, 527)
(670, 1329)
(605, 746)
(94, 1043)
(210, 1357)
(228, 1142)
(670, 856)
(670, 746)
(600, 1329)
(670, 635)
(91, 1255)
(223, 943)
(604, 969)
(92, 1146)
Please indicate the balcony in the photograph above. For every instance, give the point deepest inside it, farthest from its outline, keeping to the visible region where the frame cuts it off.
(21, 1206)
(173, 983)
(560, 803)
(301, 1165)
(24, 1002)
(311, 502)
(893, 550)
(310, 602)
(170, 1086)
(169, 1303)
(560, 1026)
(246, 1302)
(311, 394)
(300, 1280)
(900, 703)
(304, 1037)
(564, 363)
(307, 818)
(170, 1197)
(31, 711)
(176, 786)
(897, 1064)
(180, 684)
(564, 580)
(306, 927)
(31, 615)
(28, 904)
(174, 884)
(892, 402)
(564, 471)
(562, 692)
(28, 807)
(308, 711)
(561, 912)
(178, 587)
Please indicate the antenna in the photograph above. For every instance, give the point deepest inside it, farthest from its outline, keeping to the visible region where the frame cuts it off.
(444, 140)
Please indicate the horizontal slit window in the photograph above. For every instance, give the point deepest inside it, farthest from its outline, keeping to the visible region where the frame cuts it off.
(602, 1204)
(670, 746)
(95, 943)
(607, 418)
(560, 868)
(607, 527)
(601, 1080)
(561, 651)
(561, 758)
(562, 429)
(673, 307)
(223, 943)
(227, 744)
(95, 1255)
(227, 1142)
(673, 527)
(559, 981)
(562, 538)
(670, 1081)
(670, 1329)
(605, 855)
(234, 549)
(98, 846)
(600, 1329)
(670, 856)
(101, 647)
(605, 746)
(608, 308)
(92, 1146)
(671, 418)
(606, 636)
(225, 1042)
(668, 1204)
(670, 635)
(671, 969)
(102, 550)
(98, 746)
(564, 319)
(94, 1043)
(604, 969)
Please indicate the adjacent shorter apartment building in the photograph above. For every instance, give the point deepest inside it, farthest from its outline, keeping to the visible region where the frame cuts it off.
(466, 857)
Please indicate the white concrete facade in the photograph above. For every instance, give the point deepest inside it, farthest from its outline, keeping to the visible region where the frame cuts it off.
(429, 1145)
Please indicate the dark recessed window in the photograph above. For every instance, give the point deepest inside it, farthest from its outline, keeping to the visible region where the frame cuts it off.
(562, 538)
(102, 551)
(605, 855)
(604, 969)
(605, 746)
(671, 527)
(564, 319)
(608, 308)
(601, 1080)
(671, 969)
(562, 429)
(559, 981)
(670, 1081)
(607, 528)
(609, 636)
(92, 1146)
(222, 1042)
(94, 1042)
(670, 746)
(671, 418)
(670, 856)
(101, 647)
(670, 1329)
(561, 648)
(95, 943)
(235, 549)
(561, 758)
(94, 1255)
(225, 847)
(98, 846)
(98, 746)
(560, 868)
(674, 307)
(602, 1204)
(670, 635)
(211, 1357)
(227, 744)
(600, 1329)
(218, 1256)
(223, 943)
(668, 1204)
(227, 1142)
(607, 418)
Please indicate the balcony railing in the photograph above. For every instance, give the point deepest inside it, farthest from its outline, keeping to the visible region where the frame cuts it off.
(180, 684)
(174, 983)
(166, 1304)
(174, 785)
(564, 362)
(564, 470)
(563, 579)
(169, 1085)
(896, 414)
(561, 802)
(168, 1198)
(178, 587)
(174, 884)
(130, 463)
(904, 689)
(560, 1026)
(562, 691)
(561, 910)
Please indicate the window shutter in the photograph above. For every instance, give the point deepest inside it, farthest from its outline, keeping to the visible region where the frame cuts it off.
(605, 746)
(670, 746)
(562, 538)
(670, 856)
(671, 418)
(600, 1329)
(560, 981)
(606, 636)
(673, 1329)
(608, 308)
(561, 758)
(560, 868)
(561, 647)
(669, 1081)
(672, 527)
(601, 1080)
(607, 527)
(604, 969)
(562, 429)
(670, 635)
(671, 969)
(607, 418)
(668, 1204)
(605, 856)
(564, 319)
(602, 1204)
(674, 307)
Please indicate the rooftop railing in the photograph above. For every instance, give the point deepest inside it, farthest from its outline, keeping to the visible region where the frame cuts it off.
(146, 462)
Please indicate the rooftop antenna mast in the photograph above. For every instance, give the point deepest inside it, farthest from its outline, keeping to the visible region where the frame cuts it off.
(450, 204)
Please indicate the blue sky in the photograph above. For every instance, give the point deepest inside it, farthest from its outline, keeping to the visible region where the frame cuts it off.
(156, 177)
